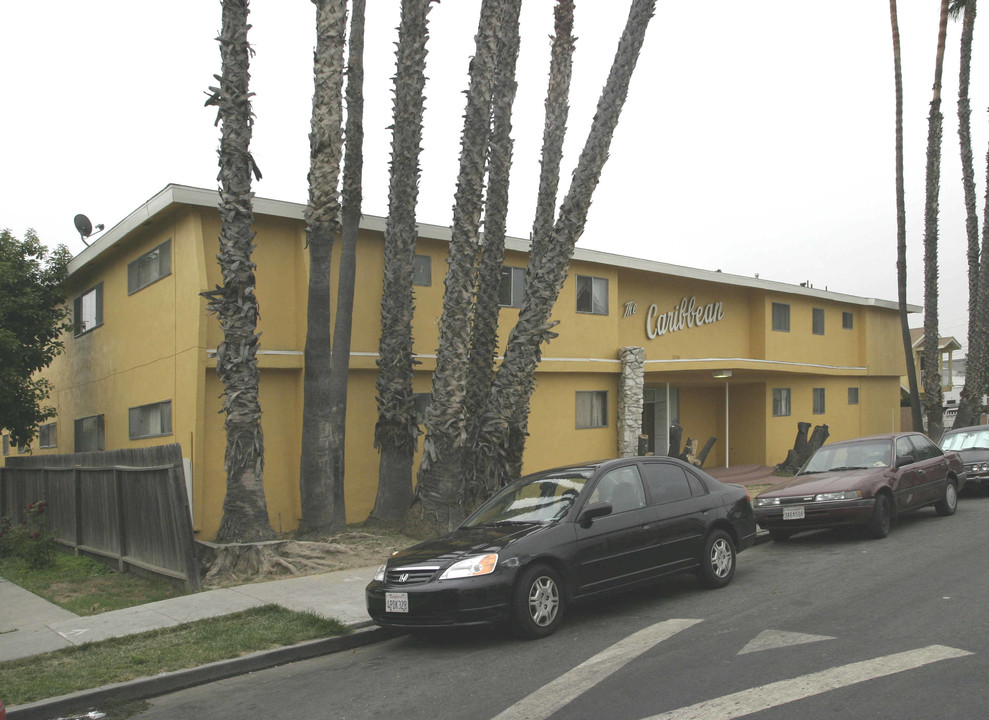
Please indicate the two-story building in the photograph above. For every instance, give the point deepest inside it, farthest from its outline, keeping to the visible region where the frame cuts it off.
(641, 344)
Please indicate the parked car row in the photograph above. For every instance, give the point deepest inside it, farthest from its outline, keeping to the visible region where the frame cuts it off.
(558, 537)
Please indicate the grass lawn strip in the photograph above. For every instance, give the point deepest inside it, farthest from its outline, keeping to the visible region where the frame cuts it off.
(84, 586)
(158, 651)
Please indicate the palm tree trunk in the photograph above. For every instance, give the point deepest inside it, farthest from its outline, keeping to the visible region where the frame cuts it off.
(550, 260)
(245, 511)
(484, 329)
(351, 216)
(317, 476)
(437, 505)
(970, 403)
(901, 231)
(397, 430)
(931, 372)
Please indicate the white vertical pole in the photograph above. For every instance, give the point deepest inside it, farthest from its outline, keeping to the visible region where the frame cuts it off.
(726, 423)
(668, 423)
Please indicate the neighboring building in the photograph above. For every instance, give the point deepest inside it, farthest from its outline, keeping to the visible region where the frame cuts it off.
(946, 346)
(641, 344)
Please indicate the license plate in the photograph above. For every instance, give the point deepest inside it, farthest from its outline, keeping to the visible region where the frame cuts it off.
(397, 602)
(793, 513)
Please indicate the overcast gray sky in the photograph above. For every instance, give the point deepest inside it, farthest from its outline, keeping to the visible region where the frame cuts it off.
(757, 138)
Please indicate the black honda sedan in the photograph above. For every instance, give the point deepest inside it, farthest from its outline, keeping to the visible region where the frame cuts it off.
(559, 536)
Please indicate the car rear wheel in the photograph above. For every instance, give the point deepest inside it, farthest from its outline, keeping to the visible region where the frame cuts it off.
(949, 503)
(537, 603)
(718, 561)
(882, 517)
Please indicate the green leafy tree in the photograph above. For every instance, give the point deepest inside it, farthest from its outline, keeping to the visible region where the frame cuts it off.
(32, 319)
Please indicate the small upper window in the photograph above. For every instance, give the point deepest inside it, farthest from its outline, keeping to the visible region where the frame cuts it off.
(818, 321)
(853, 396)
(818, 401)
(422, 271)
(847, 320)
(150, 267)
(512, 287)
(48, 435)
(150, 420)
(421, 403)
(592, 295)
(87, 310)
(6, 444)
(781, 317)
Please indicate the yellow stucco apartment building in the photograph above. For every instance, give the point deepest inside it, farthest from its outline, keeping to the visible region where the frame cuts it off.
(641, 344)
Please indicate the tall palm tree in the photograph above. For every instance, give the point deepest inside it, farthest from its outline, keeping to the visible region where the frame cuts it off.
(316, 477)
(484, 327)
(970, 403)
(550, 258)
(397, 430)
(901, 231)
(438, 501)
(351, 217)
(930, 370)
(501, 431)
(245, 511)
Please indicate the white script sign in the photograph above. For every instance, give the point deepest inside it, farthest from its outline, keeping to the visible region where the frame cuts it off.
(686, 314)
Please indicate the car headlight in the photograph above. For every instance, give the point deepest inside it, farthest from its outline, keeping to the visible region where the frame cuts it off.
(846, 495)
(763, 502)
(379, 574)
(978, 467)
(471, 567)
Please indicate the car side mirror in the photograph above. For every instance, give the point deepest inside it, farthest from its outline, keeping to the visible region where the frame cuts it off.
(902, 460)
(594, 510)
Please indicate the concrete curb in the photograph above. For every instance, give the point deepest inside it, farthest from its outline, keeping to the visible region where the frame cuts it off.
(165, 683)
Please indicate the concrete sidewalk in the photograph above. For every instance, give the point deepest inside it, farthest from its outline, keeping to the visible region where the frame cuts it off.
(30, 625)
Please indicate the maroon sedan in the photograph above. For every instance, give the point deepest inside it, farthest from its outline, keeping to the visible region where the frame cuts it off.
(866, 482)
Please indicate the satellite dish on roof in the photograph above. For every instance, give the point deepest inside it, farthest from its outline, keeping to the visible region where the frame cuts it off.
(85, 227)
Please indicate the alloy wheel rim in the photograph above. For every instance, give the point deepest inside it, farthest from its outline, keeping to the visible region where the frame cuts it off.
(951, 496)
(544, 601)
(721, 558)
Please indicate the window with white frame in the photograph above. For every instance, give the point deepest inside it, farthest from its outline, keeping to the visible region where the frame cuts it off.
(818, 401)
(781, 317)
(592, 295)
(90, 434)
(48, 435)
(150, 420)
(817, 321)
(781, 402)
(150, 267)
(592, 409)
(847, 320)
(87, 310)
(422, 271)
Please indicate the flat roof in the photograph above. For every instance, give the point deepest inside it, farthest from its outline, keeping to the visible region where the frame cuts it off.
(173, 194)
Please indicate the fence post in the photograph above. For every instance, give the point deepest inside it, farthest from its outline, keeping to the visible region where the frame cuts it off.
(77, 486)
(183, 527)
(118, 498)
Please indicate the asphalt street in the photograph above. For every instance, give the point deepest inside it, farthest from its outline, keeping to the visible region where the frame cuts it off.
(826, 625)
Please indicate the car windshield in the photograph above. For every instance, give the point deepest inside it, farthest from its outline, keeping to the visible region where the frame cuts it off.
(966, 440)
(849, 456)
(534, 499)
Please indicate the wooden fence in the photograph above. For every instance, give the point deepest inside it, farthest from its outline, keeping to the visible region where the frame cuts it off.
(126, 505)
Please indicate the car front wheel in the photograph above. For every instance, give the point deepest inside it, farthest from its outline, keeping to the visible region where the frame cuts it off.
(538, 603)
(882, 517)
(718, 561)
(949, 503)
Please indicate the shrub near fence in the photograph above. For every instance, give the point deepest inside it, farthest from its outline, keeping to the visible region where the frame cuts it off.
(127, 505)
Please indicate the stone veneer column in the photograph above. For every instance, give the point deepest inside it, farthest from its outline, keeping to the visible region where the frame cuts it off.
(631, 388)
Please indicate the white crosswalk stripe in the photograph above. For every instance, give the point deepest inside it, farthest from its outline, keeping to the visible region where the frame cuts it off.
(551, 697)
(778, 693)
